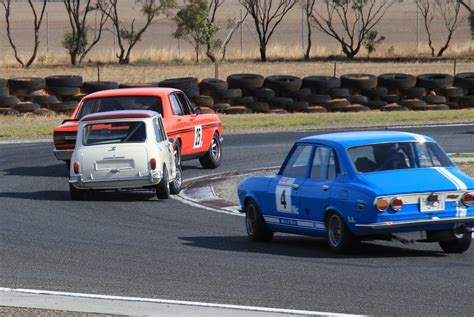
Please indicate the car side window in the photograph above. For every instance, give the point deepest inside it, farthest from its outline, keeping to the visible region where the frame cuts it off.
(324, 164)
(176, 105)
(158, 130)
(298, 162)
(185, 104)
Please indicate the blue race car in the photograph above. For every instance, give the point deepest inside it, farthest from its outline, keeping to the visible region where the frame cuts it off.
(357, 186)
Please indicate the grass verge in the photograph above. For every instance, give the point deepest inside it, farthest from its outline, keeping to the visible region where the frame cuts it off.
(33, 126)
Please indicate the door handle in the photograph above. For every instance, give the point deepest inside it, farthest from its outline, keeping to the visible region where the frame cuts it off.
(295, 186)
(325, 187)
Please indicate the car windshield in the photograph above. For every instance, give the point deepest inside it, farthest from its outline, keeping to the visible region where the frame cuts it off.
(117, 132)
(402, 155)
(120, 103)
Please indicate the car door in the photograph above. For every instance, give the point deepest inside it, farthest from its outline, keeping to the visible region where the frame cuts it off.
(285, 187)
(194, 142)
(164, 147)
(315, 192)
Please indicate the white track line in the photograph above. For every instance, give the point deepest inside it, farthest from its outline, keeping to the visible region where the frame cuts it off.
(171, 302)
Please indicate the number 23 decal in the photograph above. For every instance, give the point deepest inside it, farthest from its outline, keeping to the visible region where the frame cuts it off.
(197, 137)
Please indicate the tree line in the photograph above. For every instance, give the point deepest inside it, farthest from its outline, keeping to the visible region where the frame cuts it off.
(351, 23)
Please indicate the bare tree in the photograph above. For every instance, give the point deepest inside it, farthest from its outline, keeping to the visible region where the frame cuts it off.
(267, 15)
(467, 5)
(37, 21)
(213, 7)
(449, 12)
(76, 42)
(232, 24)
(308, 8)
(357, 17)
(128, 36)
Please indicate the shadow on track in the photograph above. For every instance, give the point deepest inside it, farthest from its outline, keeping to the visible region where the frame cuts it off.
(60, 195)
(302, 247)
(56, 170)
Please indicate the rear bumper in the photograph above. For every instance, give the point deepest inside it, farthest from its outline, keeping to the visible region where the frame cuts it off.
(151, 179)
(63, 155)
(413, 223)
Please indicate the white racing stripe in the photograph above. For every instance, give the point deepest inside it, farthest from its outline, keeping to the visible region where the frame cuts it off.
(460, 185)
(171, 302)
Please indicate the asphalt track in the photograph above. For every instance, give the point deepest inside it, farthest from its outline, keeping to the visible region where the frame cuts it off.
(130, 244)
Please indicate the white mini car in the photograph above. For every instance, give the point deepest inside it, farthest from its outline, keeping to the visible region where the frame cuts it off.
(123, 149)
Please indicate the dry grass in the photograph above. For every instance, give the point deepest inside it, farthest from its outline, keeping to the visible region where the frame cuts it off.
(35, 126)
(157, 72)
(467, 168)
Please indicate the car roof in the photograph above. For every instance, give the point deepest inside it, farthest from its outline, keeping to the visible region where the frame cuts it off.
(121, 114)
(148, 91)
(357, 138)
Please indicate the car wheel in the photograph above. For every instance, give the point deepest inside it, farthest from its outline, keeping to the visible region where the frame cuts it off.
(177, 153)
(213, 157)
(340, 238)
(76, 194)
(177, 184)
(256, 226)
(460, 245)
(163, 187)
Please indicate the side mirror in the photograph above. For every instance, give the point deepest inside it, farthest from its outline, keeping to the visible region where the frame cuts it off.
(198, 111)
(70, 120)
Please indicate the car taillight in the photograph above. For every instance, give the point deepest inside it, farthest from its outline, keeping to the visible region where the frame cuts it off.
(75, 167)
(153, 164)
(396, 204)
(467, 199)
(381, 204)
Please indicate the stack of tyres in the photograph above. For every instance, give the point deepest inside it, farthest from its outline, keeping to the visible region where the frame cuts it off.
(189, 85)
(24, 88)
(63, 93)
(7, 102)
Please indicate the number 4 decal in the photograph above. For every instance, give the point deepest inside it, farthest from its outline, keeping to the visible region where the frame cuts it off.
(283, 198)
(197, 137)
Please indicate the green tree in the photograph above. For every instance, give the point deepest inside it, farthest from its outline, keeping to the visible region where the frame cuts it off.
(193, 25)
(372, 40)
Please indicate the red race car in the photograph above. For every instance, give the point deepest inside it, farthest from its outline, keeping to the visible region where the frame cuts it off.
(194, 135)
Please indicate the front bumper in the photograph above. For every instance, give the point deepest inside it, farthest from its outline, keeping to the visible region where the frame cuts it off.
(153, 178)
(413, 223)
(63, 155)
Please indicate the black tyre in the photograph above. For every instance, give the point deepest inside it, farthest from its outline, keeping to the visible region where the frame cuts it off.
(227, 94)
(237, 110)
(26, 106)
(452, 92)
(301, 95)
(203, 101)
(355, 108)
(26, 83)
(340, 238)
(357, 99)
(283, 85)
(319, 99)
(259, 106)
(220, 107)
(397, 81)
(256, 226)
(8, 101)
(319, 84)
(339, 92)
(434, 81)
(336, 104)
(181, 83)
(177, 153)
(375, 104)
(466, 102)
(460, 245)
(64, 107)
(245, 81)
(375, 93)
(413, 103)
(241, 101)
(163, 187)
(357, 82)
(263, 94)
(64, 81)
(4, 92)
(434, 100)
(414, 92)
(90, 87)
(45, 99)
(316, 109)
(76, 194)
(298, 106)
(465, 80)
(391, 98)
(3, 82)
(213, 157)
(63, 91)
(137, 85)
(280, 103)
(394, 107)
(177, 184)
(191, 92)
(208, 85)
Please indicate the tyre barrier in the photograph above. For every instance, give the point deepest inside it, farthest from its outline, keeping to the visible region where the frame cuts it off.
(253, 93)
